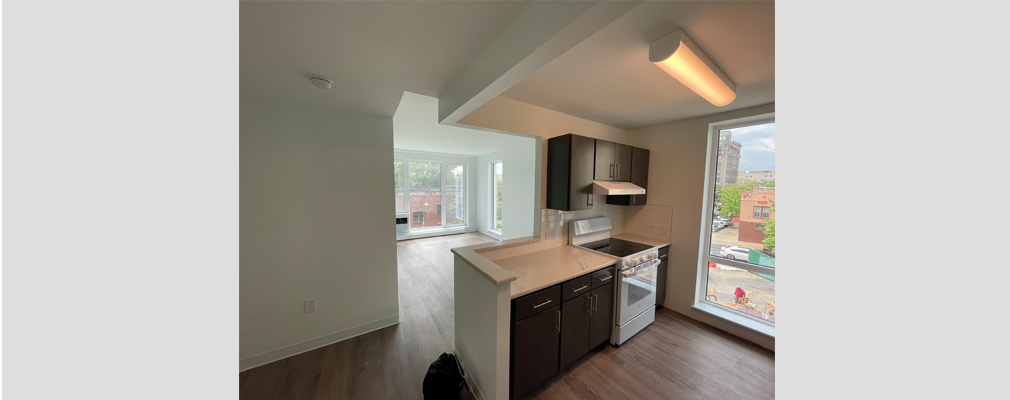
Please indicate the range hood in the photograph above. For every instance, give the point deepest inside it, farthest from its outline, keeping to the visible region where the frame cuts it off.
(612, 188)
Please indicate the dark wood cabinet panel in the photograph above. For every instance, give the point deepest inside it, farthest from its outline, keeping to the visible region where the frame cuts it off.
(664, 253)
(613, 161)
(602, 320)
(574, 329)
(535, 302)
(576, 287)
(535, 343)
(639, 175)
(570, 172)
(605, 165)
(623, 162)
(602, 277)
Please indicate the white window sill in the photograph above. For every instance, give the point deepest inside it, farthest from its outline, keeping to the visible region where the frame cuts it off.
(735, 318)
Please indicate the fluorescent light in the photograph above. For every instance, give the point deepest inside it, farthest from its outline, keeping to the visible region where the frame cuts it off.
(679, 56)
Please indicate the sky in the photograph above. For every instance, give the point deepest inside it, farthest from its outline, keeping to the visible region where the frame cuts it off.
(757, 147)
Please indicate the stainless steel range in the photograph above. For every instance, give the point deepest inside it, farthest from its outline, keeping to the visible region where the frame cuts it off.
(635, 300)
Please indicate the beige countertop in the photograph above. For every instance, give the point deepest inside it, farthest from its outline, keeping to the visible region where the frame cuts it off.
(643, 239)
(542, 269)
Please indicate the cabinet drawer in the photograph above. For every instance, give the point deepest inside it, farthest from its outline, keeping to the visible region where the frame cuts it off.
(602, 277)
(531, 304)
(575, 287)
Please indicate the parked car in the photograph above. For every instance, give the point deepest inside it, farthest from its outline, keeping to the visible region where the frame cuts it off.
(734, 252)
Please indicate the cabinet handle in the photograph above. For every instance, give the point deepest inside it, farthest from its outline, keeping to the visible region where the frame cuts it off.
(618, 171)
(606, 278)
(583, 287)
(589, 305)
(611, 171)
(596, 302)
(542, 304)
(589, 195)
(557, 324)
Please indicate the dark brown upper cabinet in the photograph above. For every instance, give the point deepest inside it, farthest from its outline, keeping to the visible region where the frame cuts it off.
(570, 172)
(639, 176)
(613, 161)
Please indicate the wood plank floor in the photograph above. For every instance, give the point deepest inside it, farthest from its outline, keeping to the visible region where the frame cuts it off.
(674, 358)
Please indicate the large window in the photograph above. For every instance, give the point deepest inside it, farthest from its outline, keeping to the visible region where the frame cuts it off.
(455, 199)
(425, 192)
(496, 197)
(737, 279)
(400, 192)
(431, 192)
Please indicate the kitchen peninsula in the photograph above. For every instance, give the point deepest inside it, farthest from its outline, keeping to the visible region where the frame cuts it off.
(489, 277)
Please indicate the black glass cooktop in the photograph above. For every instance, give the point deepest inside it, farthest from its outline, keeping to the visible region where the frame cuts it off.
(616, 247)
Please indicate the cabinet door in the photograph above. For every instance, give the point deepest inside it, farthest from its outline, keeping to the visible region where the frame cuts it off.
(605, 165)
(574, 329)
(602, 320)
(535, 350)
(581, 184)
(640, 174)
(622, 161)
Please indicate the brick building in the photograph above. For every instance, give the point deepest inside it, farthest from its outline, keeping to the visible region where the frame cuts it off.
(756, 208)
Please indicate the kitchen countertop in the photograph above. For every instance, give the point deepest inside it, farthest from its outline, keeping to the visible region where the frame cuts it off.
(643, 239)
(542, 269)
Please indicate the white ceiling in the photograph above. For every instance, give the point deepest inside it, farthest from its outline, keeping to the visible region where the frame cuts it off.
(375, 51)
(416, 128)
(608, 78)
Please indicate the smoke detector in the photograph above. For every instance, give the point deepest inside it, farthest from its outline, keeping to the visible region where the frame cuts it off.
(321, 83)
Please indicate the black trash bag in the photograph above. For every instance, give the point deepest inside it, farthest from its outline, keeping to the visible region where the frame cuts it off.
(444, 379)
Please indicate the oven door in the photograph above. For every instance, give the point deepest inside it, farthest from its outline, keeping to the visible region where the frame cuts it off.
(637, 290)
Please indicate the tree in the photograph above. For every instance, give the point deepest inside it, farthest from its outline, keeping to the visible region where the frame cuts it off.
(425, 175)
(398, 174)
(769, 240)
(729, 196)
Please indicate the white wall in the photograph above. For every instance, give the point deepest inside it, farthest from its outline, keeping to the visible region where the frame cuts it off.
(677, 179)
(316, 221)
(519, 202)
(470, 194)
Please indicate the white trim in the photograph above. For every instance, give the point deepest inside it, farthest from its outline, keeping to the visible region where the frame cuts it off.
(470, 383)
(492, 211)
(466, 198)
(740, 319)
(455, 230)
(312, 344)
(492, 234)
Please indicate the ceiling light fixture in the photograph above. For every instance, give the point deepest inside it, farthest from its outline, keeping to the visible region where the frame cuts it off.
(321, 83)
(679, 56)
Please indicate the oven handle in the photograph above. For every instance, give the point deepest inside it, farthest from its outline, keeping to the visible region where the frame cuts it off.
(632, 271)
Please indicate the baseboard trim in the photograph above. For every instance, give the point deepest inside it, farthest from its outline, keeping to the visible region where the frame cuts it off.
(470, 383)
(312, 344)
(439, 232)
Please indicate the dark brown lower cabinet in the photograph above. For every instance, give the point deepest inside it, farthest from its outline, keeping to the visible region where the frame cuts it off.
(585, 323)
(575, 316)
(602, 320)
(535, 350)
(557, 325)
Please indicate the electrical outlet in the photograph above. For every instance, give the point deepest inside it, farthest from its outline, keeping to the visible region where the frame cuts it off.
(650, 228)
(663, 229)
(310, 305)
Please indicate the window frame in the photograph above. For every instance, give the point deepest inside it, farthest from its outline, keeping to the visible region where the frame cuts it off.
(491, 197)
(406, 187)
(445, 168)
(708, 201)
